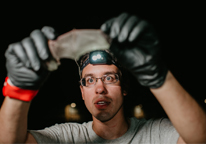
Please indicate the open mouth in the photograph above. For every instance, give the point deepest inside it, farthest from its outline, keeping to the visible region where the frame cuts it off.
(101, 104)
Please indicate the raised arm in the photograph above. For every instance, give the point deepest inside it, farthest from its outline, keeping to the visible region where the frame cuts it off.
(26, 74)
(13, 121)
(184, 112)
(136, 46)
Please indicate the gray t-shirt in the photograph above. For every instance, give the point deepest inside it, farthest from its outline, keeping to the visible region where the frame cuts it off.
(160, 131)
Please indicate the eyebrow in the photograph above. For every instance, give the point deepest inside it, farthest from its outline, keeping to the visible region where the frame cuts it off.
(106, 73)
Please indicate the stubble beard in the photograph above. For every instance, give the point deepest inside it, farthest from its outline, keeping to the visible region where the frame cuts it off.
(106, 116)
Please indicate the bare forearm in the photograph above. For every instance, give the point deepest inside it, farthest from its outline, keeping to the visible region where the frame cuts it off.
(186, 115)
(13, 121)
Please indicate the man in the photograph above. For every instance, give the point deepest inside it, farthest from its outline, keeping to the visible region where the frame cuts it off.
(136, 47)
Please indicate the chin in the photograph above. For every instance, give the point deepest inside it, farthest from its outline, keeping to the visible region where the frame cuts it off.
(104, 117)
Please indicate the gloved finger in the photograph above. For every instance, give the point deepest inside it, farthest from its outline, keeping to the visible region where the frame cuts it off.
(17, 50)
(117, 25)
(115, 49)
(137, 30)
(41, 44)
(127, 27)
(31, 52)
(49, 32)
(105, 27)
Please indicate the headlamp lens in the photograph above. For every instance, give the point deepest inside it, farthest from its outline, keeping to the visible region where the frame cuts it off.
(99, 57)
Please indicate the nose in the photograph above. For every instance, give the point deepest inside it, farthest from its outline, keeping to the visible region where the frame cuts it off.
(100, 87)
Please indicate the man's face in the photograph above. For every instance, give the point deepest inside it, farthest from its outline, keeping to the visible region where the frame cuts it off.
(103, 101)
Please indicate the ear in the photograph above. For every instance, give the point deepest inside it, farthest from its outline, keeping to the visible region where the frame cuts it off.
(81, 88)
(124, 92)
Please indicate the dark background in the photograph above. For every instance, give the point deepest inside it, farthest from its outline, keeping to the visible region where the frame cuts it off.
(181, 28)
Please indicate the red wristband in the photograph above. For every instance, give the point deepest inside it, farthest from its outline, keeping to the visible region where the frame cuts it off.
(18, 93)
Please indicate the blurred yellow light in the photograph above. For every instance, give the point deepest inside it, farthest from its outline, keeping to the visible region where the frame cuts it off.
(205, 100)
(72, 113)
(73, 105)
(138, 111)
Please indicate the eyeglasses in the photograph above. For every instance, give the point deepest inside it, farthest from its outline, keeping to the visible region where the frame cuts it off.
(106, 79)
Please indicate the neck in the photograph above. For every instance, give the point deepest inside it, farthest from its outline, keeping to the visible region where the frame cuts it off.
(112, 129)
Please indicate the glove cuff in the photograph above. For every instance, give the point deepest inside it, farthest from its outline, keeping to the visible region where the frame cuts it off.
(18, 93)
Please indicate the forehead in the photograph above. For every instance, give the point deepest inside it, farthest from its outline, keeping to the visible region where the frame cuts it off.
(99, 69)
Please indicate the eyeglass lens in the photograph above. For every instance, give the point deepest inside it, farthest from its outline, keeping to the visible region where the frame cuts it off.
(107, 79)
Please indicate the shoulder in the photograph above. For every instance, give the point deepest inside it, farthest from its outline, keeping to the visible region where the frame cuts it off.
(155, 130)
(72, 128)
(161, 124)
(71, 125)
(153, 126)
(65, 132)
(152, 122)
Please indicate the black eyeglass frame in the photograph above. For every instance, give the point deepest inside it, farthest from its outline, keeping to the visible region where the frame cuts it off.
(102, 78)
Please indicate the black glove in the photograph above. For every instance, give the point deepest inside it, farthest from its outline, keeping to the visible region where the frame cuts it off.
(136, 46)
(25, 59)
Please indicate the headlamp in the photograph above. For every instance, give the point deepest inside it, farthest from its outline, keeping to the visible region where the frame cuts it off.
(97, 57)
(100, 57)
